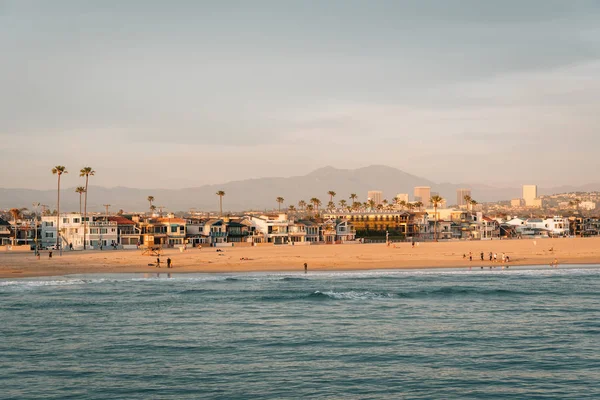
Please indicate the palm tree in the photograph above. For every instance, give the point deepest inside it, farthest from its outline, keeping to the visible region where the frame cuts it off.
(331, 194)
(467, 199)
(152, 209)
(370, 203)
(87, 172)
(81, 191)
(16, 213)
(343, 203)
(331, 205)
(58, 170)
(316, 203)
(418, 204)
(302, 204)
(150, 200)
(353, 197)
(402, 204)
(220, 193)
(291, 208)
(436, 201)
(279, 202)
(473, 203)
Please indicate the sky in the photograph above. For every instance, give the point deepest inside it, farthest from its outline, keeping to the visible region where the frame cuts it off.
(173, 94)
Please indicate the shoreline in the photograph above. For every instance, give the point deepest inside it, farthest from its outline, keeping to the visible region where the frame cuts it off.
(351, 257)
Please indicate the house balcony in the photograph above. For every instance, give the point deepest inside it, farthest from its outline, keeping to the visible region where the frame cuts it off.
(218, 234)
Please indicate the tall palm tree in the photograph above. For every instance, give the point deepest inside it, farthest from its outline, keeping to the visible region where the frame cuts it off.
(279, 201)
(150, 200)
(316, 203)
(436, 201)
(402, 204)
(310, 208)
(473, 203)
(343, 203)
(81, 191)
(152, 208)
(220, 193)
(467, 198)
(331, 194)
(302, 205)
(371, 203)
(418, 204)
(58, 170)
(16, 213)
(353, 197)
(291, 208)
(87, 172)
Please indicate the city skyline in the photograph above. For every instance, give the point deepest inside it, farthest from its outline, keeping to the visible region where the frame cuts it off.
(471, 91)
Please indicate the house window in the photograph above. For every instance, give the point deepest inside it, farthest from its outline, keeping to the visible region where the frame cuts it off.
(49, 234)
(65, 220)
(75, 220)
(173, 229)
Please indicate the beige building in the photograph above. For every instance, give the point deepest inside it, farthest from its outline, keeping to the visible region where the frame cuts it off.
(402, 197)
(460, 196)
(529, 195)
(375, 195)
(423, 194)
(517, 203)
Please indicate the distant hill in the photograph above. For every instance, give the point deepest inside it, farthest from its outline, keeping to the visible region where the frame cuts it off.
(260, 193)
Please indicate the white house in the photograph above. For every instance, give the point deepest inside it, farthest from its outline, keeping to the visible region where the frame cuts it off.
(271, 228)
(99, 231)
(555, 226)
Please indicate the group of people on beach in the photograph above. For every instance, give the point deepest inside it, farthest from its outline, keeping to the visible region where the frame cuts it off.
(169, 262)
(493, 257)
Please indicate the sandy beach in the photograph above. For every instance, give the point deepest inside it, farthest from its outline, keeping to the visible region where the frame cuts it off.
(318, 258)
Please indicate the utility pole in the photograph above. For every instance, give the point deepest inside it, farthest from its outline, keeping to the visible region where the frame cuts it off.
(106, 215)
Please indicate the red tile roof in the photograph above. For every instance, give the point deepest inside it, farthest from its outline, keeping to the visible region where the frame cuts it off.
(121, 220)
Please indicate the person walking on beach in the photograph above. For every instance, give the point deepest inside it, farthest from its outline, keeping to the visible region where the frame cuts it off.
(157, 262)
(495, 257)
(481, 255)
(50, 254)
(305, 268)
(470, 256)
(168, 262)
(490, 256)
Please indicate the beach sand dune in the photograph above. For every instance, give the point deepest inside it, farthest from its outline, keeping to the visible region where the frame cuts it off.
(318, 257)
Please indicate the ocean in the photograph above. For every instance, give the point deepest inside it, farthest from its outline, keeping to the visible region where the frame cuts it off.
(523, 333)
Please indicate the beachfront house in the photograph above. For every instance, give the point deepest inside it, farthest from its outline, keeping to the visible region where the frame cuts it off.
(5, 232)
(128, 234)
(270, 228)
(99, 232)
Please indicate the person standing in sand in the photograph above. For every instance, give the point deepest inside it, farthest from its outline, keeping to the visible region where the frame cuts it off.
(169, 262)
(157, 262)
(305, 268)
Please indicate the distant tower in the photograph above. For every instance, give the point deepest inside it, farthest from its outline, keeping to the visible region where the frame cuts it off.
(529, 195)
(423, 194)
(460, 196)
(375, 195)
(402, 197)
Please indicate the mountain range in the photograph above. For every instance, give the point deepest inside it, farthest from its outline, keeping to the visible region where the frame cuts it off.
(260, 194)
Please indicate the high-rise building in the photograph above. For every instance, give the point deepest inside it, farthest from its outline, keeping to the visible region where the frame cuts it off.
(375, 195)
(529, 195)
(402, 197)
(423, 194)
(460, 196)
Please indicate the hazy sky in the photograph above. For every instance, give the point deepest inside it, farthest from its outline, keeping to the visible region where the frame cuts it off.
(182, 93)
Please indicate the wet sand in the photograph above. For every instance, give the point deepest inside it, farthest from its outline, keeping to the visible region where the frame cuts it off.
(318, 257)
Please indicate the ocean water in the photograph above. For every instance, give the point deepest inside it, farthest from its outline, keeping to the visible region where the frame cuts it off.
(528, 333)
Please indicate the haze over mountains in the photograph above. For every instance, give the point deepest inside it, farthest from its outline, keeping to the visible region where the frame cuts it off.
(260, 194)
